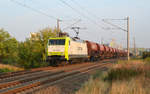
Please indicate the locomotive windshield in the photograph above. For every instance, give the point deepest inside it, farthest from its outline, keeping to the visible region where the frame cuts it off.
(57, 42)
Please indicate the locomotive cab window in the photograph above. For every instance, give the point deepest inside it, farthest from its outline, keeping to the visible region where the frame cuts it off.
(57, 42)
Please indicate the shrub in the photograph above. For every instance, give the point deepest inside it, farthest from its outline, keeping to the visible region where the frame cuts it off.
(122, 74)
(129, 77)
(5, 70)
(146, 54)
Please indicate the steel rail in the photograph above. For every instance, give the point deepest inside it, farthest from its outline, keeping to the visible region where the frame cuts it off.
(52, 79)
(36, 77)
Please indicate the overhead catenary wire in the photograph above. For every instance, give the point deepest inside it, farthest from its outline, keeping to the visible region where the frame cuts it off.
(42, 13)
(84, 9)
(100, 28)
(114, 25)
(80, 13)
(95, 16)
(71, 25)
(50, 16)
(34, 9)
(90, 14)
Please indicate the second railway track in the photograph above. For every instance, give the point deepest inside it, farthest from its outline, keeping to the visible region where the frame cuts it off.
(17, 86)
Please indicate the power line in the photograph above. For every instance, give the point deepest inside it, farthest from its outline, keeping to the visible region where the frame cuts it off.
(71, 25)
(86, 10)
(89, 13)
(118, 27)
(40, 12)
(81, 14)
(33, 9)
(72, 8)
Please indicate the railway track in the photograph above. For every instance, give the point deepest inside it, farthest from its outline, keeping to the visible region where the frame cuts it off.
(40, 78)
(13, 74)
(66, 85)
(31, 77)
(35, 72)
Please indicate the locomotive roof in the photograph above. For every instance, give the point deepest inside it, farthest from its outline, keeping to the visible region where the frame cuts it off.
(77, 39)
(72, 38)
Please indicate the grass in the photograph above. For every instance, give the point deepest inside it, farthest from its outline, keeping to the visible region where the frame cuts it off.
(9, 68)
(125, 77)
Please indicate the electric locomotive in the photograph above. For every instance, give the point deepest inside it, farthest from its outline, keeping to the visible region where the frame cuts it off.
(66, 49)
(72, 49)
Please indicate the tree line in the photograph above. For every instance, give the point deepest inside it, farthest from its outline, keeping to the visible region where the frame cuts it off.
(30, 53)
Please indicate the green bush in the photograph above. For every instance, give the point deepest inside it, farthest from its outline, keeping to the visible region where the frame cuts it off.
(5, 70)
(146, 55)
(122, 74)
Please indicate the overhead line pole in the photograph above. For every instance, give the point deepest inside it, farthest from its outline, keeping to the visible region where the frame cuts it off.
(58, 28)
(134, 47)
(128, 38)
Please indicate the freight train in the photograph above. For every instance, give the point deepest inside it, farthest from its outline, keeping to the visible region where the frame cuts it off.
(72, 49)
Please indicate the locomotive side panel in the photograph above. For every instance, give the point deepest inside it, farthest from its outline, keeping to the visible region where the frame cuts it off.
(77, 49)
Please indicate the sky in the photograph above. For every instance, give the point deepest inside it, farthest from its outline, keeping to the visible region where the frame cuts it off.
(19, 21)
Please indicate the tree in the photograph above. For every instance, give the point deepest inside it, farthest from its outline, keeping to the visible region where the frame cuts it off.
(8, 47)
(28, 54)
(45, 34)
(32, 52)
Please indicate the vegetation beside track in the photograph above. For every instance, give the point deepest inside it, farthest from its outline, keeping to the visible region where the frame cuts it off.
(125, 77)
(5, 70)
(145, 55)
(27, 54)
(9, 68)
